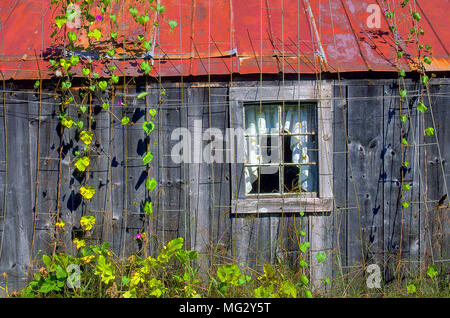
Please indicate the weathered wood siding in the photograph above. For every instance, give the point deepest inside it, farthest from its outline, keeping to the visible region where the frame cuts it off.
(193, 200)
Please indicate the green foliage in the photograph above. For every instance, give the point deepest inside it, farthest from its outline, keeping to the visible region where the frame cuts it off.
(421, 107)
(147, 158)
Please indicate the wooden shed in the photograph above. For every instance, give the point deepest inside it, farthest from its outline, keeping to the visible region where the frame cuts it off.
(278, 123)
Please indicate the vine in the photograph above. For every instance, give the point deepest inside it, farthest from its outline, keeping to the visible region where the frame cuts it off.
(94, 68)
(424, 54)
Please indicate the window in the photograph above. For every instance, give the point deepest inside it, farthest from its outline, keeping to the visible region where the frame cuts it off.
(281, 152)
(284, 156)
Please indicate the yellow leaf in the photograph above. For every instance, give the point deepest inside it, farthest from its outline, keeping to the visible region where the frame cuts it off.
(82, 163)
(86, 136)
(60, 224)
(87, 222)
(87, 192)
(79, 243)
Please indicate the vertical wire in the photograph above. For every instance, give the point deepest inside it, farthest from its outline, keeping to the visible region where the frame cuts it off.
(210, 122)
(234, 150)
(5, 132)
(183, 115)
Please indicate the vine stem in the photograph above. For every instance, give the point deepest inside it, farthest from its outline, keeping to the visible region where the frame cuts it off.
(37, 168)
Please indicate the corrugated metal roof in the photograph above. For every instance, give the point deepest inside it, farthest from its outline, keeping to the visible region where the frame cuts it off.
(217, 37)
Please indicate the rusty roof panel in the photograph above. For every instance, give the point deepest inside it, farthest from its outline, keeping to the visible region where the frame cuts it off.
(245, 37)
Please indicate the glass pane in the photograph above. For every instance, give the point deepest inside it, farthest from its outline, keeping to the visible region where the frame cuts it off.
(262, 179)
(300, 118)
(261, 119)
(300, 149)
(308, 175)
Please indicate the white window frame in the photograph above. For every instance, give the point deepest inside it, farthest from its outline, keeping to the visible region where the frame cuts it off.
(318, 92)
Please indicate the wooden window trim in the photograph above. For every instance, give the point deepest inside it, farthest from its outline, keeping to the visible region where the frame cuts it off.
(318, 92)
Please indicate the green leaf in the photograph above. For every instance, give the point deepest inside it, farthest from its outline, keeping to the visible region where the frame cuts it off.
(304, 279)
(173, 24)
(147, 158)
(400, 54)
(113, 17)
(66, 85)
(86, 71)
(148, 207)
(406, 164)
(105, 106)
(102, 85)
(152, 112)
(145, 66)
(402, 73)
(125, 280)
(61, 274)
(403, 118)
(65, 64)
(321, 256)
(403, 93)
(83, 108)
(429, 131)
(421, 107)
(416, 16)
(72, 36)
(411, 288)
(405, 204)
(96, 33)
(287, 289)
(427, 60)
(74, 59)
(229, 274)
(148, 126)
(147, 45)
(404, 142)
(48, 286)
(303, 264)
(115, 79)
(304, 246)
(125, 120)
(143, 19)
(142, 95)
(151, 184)
(308, 294)
(133, 11)
(160, 8)
(80, 124)
(406, 187)
(113, 35)
(46, 260)
(111, 52)
(424, 78)
(432, 271)
(60, 21)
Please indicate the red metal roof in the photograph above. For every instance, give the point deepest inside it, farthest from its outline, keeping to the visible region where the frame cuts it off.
(217, 37)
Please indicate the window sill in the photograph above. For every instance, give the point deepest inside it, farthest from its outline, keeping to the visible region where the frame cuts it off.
(281, 204)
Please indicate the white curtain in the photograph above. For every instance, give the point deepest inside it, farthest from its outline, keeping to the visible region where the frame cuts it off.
(258, 120)
(297, 122)
(265, 120)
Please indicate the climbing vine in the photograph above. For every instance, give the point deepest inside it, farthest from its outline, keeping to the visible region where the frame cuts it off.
(87, 41)
(424, 53)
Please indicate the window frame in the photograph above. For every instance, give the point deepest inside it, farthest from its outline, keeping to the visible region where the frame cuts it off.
(280, 134)
(316, 92)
